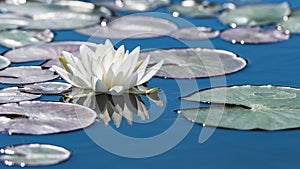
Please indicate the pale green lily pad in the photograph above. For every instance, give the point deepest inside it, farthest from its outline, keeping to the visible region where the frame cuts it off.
(292, 23)
(26, 75)
(58, 15)
(194, 62)
(46, 88)
(33, 155)
(4, 62)
(19, 38)
(194, 10)
(259, 14)
(10, 21)
(131, 5)
(37, 117)
(247, 107)
(13, 95)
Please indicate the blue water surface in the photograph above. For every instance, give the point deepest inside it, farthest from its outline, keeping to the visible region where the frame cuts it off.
(274, 64)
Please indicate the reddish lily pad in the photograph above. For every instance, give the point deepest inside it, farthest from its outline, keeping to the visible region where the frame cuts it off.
(36, 117)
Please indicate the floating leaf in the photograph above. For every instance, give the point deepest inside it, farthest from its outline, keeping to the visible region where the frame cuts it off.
(259, 14)
(254, 35)
(35, 117)
(131, 5)
(4, 62)
(19, 38)
(25, 75)
(292, 23)
(189, 8)
(248, 107)
(44, 51)
(195, 33)
(13, 94)
(10, 21)
(33, 155)
(46, 88)
(131, 26)
(195, 62)
(58, 15)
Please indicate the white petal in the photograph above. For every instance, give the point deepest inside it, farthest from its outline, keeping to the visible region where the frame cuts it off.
(65, 75)
(98, 85)
(116, 90)
(131, 81)
(151, 72)
(142, 69)
(86, 57)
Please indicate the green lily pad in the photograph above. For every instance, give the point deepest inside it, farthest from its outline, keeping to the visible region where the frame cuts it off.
(247, 107)
(58, 15)
(33, 155)
(131, 26)
(194, 10)
(19, 38)
(26, 75)
(131, 5)
(4, 62)
(259, 14)
(194, 62)
(10, 21)
(292, 23)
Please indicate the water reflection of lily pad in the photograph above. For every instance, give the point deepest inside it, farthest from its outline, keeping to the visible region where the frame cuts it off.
(25, 75)
(33, 155)
(44, 51)
(4, 62)
(114, 107)
(58, 15)
(19, 38)
(13, 94)
(192, 9)
(254, 35)
(35, 117)
(292, 23)
(248, 107)
(195, 62)
(46, 88)
(195, 33)
(10, 21)
(259, 14)
(131, 26)
(131, 5)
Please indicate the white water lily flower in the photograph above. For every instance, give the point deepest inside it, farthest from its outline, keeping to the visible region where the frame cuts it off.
(106, 70)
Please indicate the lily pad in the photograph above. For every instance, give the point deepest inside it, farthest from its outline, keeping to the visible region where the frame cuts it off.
(259, 14)
(254, 35)
(19, 38)
(4, 62)
(248, 107)
(192, 9)
(26, 74)
(131, 5)
(44, 51)
(131, 26)
(10, 21)
(195, 62)
(13, 95)
(195, 33)
(292, 23)
(36, 117)
(58, 15)
(33, 155)
(46, 88)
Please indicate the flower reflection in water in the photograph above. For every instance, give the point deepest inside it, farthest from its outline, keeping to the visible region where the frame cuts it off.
(114, 107)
